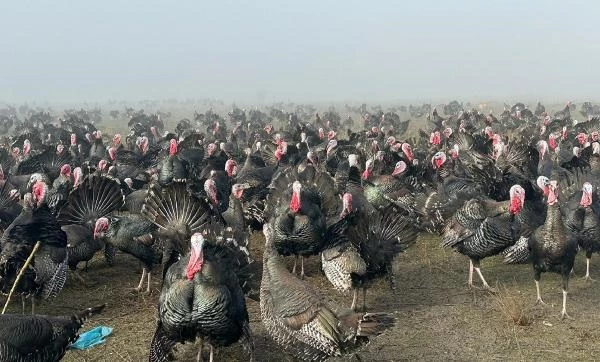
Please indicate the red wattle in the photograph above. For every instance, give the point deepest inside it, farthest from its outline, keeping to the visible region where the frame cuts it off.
(552, 197)
(295, 203)
(586, 199)
(515, 206)
(195, 264)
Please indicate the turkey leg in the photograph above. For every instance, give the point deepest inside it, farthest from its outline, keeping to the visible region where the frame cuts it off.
(148, 287)
(470, 278)
(565, 285)
(478, 270)
(539, 296)
(587, 269)
(139, 287)
(354, 298)
(295, 262)
(364, 307)
(536, 277)
(199, 355)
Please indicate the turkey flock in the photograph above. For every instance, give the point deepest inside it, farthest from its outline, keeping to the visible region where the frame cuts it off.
(350, 195)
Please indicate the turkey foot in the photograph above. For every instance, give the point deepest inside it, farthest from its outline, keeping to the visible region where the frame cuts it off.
(563, 313)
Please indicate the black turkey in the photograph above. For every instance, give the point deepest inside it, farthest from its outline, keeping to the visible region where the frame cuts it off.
(45, 277)
(40, 338)
(201, 298)
(132, 234)
(483, 227)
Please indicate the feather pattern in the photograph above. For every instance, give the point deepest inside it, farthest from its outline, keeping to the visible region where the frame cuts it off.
(96, 197)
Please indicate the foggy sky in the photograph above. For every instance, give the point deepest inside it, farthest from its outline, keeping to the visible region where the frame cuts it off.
(298, 50)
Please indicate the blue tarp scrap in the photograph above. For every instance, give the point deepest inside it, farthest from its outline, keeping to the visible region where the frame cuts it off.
(91, 338)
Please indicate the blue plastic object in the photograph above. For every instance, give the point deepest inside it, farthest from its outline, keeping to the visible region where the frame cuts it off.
(91, 338)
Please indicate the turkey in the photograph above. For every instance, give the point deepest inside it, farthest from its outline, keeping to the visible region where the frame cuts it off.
(171, 167)
(42, 338)
(97, 196)
(551, 248)
(374, 238)
(483, 227)
(299, 205)
(178, 215)
(61, 186)
(201, 298)
(45, 277)
(584, 222)
(132, 234)
(300, 321)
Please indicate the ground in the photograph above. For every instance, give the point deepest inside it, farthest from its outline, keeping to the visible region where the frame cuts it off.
(438, 317)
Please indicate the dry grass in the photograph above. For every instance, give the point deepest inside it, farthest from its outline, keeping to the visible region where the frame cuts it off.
(514, 306)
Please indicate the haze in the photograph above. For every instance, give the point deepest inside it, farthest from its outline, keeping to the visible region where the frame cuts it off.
(71, 51)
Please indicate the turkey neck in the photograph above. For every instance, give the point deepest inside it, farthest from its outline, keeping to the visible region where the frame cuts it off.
(554, 226)
(271, 261)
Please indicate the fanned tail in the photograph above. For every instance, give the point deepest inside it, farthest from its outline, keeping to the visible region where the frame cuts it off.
(96, 197)
(394, 226)
(47, 161)
(174, 206)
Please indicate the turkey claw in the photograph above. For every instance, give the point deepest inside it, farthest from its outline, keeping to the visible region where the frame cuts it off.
(588, 278)
(564, 315)
(540, 301)
(490, 289)
(142, 291)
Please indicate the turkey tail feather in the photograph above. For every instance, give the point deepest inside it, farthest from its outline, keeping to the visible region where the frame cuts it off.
(161, 345)
(372, 324)
(173, 206)
(395, 226)
(85, 314)
(96, 197)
